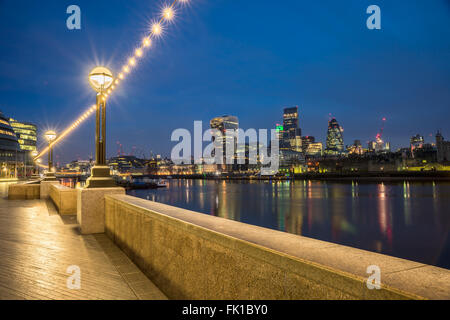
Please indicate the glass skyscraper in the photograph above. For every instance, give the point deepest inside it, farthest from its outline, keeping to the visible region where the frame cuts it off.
(226, 141)
(335, 140)
(292, 134)
(26, 133)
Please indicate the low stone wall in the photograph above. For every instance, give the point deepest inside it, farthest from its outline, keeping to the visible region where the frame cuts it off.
(190, 255)
(45, 188)
(91, 208)
(23, 191)
(64, 198)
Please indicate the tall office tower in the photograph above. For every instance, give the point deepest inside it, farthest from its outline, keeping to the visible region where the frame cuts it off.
(335, 140)
(227, 141)
(292, 134)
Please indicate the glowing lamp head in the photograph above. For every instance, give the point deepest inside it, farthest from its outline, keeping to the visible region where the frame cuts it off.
(100, 78)
(34, 153)
(156, 29)
(147, 42)
(50, 135)
(168, 13)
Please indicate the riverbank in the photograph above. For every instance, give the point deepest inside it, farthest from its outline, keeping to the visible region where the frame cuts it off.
(366, 176)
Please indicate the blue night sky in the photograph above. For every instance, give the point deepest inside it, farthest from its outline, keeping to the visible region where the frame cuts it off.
(246, 58)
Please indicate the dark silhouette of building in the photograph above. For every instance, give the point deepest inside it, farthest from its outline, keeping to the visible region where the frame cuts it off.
(443, 148)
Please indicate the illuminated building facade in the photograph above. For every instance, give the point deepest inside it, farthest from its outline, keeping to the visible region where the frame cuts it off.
(11, 157)
(291, 134)
(225, 140)
(126, 164)
(335, 140)
(314, 149)
(356, 148)
(306, 141)
(26, 134)
(27, 137)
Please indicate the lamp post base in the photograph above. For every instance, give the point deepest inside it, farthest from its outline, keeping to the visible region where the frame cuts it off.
(50, 176)
(100, 178)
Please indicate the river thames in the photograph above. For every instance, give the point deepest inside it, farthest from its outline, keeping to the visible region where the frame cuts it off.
(409, 220)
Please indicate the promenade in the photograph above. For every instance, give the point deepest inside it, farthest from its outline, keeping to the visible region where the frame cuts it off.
(37, 245)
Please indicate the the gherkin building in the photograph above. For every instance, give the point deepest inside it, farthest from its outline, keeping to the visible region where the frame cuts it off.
(335, 139)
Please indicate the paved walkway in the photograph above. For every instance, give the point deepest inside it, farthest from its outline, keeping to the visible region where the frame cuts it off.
(37, 246)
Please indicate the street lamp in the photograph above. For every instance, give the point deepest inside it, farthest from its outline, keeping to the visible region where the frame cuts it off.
(100, 79)
(35, 174)
(50, 135)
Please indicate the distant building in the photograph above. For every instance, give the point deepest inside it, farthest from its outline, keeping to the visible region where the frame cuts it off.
(335, 140)
(291, 134)
(226, 142)
(27, 137)
(416, 142)
(306, 141)
(127, 164)
(443, 148)
(378, 146)
(82, 166)
(11, 156)
(289, 158)
(356, 148)
(314, 149)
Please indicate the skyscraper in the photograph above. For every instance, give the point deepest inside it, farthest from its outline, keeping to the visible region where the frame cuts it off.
(292, 134)
(335, 140)
(226, 141)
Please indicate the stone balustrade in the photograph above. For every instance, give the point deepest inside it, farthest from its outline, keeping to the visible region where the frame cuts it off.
(23, 191)
(64, 198)
(190, 255)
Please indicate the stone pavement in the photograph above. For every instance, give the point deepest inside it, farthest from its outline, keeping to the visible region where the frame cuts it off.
(37, 246)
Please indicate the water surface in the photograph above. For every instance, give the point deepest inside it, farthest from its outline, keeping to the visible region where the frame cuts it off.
(409, 220)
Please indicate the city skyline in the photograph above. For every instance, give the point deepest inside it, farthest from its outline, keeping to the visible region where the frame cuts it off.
(246, 151)
(357, 75)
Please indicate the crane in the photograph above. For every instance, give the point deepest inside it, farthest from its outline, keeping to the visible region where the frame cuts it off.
(379, 135)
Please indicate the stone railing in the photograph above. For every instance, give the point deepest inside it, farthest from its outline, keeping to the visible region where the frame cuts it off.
(190, 255)
(24, 191)
(64, 198)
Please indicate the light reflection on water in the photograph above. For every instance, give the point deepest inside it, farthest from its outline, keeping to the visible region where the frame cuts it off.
(410, 220)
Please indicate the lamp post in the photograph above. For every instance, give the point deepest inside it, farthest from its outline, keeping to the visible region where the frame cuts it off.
(35, 174)
(100, 79)
(50, 136)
